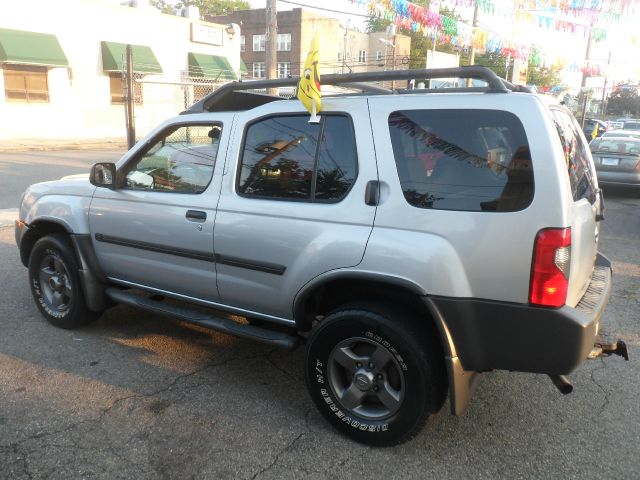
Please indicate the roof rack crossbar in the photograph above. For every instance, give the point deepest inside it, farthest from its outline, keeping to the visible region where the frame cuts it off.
(495, 83)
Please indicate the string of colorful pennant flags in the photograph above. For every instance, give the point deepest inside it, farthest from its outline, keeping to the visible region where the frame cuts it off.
(577, 17)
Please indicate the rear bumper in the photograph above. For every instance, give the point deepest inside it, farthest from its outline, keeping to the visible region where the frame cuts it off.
(495, 335)
(630, 179)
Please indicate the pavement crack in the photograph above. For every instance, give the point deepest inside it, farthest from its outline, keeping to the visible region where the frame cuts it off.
(278, 455)
(606, 394)
(286, 373)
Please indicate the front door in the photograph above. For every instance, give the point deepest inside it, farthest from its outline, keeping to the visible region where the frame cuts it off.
(156, 229)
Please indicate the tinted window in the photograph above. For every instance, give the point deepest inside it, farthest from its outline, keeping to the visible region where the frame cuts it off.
(579, 167)
(287, 157)
(337, 159)
(179, 161)
(472, 160)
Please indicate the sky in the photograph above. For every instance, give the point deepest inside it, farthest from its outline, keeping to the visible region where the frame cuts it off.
(625, 57)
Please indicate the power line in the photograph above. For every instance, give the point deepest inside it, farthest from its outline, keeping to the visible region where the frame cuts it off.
(324, 9)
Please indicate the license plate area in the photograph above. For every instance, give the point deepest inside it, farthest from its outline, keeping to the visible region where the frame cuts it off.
(610, 162)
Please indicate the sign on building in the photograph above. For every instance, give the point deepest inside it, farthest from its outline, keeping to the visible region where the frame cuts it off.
(206, 34)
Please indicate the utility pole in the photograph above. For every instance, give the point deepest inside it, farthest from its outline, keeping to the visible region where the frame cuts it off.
(271, 43)
(130, 115)
(474, 24)
(584, 75)
(604, 87)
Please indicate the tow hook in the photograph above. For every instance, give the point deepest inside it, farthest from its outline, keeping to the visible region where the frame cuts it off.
(601, 349)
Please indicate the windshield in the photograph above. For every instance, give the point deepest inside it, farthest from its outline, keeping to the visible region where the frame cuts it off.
(616, 145)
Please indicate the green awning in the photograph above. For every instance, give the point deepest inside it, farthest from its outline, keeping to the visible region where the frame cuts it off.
(114, 58)
(210, 66)
(31, 48)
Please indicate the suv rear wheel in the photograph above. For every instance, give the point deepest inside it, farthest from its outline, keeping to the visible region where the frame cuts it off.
(375, 373)
(55, 286)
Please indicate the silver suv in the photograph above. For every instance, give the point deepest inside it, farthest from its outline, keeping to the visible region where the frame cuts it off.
(410, 239)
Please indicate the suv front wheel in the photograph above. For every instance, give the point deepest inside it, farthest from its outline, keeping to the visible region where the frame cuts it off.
(54, 282)
(375, 373)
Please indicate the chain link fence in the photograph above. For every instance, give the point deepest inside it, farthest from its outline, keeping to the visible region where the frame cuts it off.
(158, 99)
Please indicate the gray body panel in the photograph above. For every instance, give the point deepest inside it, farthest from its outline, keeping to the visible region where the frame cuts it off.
(307, 239)
(477, 254)
(149, 241)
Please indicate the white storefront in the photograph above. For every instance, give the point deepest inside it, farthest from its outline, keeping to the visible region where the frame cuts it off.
(60, 65)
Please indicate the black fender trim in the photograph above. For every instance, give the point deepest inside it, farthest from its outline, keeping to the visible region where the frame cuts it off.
(462, 382)
(318, 282)
(94, 282)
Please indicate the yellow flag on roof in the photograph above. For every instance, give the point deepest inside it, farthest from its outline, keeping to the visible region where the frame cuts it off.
(309, 84)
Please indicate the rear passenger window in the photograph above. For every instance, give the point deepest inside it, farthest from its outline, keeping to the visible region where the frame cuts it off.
(286, 157)
(579, 167)
(470, 160)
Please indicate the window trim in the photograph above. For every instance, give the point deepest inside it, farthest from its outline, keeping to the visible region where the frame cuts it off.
(263, 41)
(137, 99)
(264, 69)
(122, 170)
(288, 69)
(311, 199)
(39, 69)
(289, 43)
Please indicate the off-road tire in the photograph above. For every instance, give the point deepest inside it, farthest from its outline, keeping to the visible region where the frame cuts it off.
(55, 285)
(375, 373)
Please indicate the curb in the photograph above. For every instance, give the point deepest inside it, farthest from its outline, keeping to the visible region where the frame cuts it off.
(8, 216)
(41, 146)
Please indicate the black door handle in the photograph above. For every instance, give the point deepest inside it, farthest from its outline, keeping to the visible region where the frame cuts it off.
(196, 215)
(372, 193)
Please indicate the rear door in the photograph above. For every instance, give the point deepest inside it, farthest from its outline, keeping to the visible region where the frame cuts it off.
(292, 204)
(585, 206)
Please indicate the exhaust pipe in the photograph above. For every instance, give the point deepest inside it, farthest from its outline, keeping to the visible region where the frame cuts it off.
(562, 383)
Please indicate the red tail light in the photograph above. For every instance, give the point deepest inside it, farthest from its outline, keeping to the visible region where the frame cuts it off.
(550, 268)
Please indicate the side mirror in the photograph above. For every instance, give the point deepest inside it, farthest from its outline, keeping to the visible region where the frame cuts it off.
(103, 175)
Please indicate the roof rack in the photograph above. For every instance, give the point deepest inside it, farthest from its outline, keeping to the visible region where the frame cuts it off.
(234, 95)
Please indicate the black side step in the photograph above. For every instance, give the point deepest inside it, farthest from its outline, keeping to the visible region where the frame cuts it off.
(224, 325)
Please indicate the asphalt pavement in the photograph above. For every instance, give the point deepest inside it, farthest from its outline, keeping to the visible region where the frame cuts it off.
(139, 396)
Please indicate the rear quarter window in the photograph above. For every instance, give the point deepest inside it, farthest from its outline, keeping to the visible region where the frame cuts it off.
(462, 159)
(578, 161)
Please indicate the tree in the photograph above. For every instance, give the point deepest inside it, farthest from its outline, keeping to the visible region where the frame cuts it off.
(541, 76)
(206, 7)
(624, 101)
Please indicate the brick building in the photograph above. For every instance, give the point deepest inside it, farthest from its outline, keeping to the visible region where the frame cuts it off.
(341, 50)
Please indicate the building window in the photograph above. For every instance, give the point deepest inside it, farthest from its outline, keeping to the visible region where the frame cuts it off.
(362, 56)
(25, 84)
(378, 55)
(242, 43)
(258, 43)
(284, 70)
(284, 42)
(118, 86)
(339, 56)
(259, 70)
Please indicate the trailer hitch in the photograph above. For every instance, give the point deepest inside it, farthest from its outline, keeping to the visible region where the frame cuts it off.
(602, 349)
